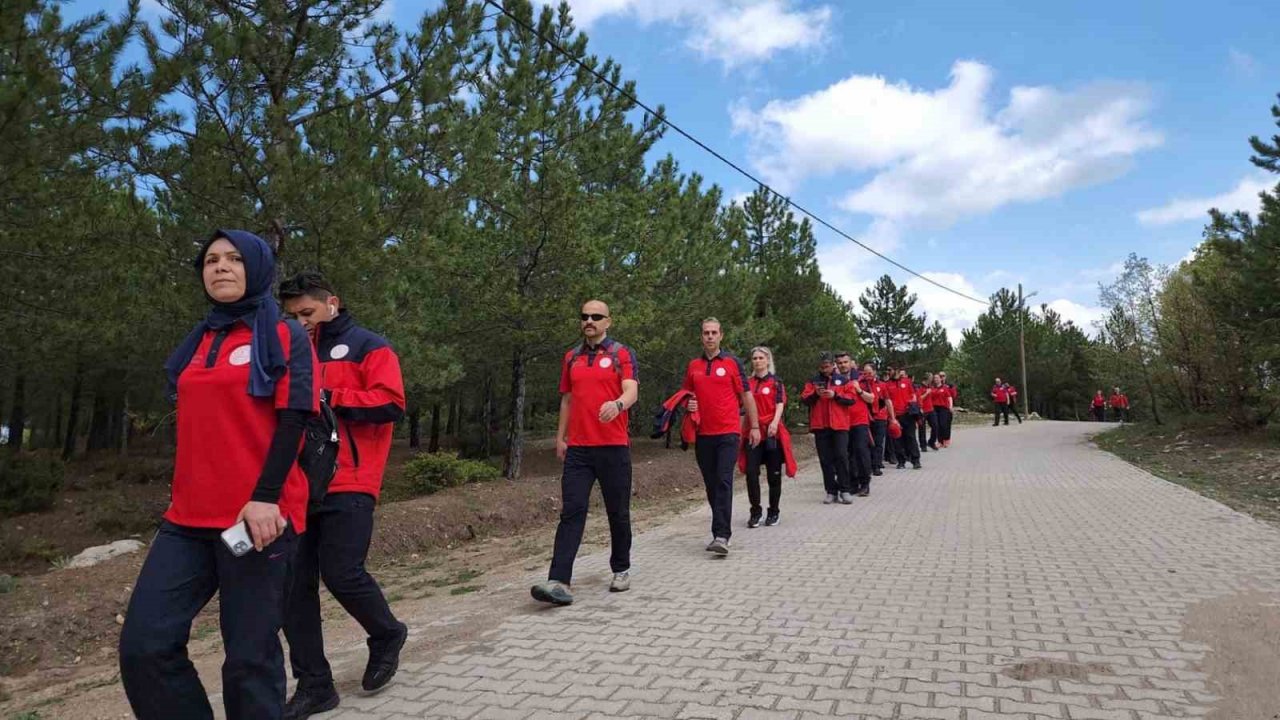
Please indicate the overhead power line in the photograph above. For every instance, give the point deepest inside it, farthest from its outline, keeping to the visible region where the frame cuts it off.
(688, 136)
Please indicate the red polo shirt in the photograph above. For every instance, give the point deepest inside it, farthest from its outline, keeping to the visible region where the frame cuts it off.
(926, 398)
(859, 412)
(769, 393)
(901, 392)
(224, 432)
(717, 384)
(594, 376)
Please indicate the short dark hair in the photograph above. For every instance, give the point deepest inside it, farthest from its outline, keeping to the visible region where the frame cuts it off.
(309, 283)
(843, 353)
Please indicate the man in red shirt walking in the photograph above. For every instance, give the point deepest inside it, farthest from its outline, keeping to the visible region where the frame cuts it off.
(360, 377)
(720, 391)
(1119, 405)
(1099, 407)
(599, 382)
(1000, 396)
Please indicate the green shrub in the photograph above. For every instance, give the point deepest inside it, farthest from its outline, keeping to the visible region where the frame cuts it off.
(29, 483)
(432, 472)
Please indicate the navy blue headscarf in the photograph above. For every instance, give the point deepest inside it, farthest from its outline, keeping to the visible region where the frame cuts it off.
(257, 309)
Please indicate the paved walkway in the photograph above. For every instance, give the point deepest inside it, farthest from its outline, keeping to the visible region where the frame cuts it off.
(1016, 545)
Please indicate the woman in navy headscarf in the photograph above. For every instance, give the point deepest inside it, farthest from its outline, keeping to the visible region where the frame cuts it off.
(244, 383)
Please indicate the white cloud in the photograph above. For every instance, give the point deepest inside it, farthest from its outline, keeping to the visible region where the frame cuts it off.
(940, 155)
(1084, 316)
(735, 32)
(1243, 62)
(1244, 196)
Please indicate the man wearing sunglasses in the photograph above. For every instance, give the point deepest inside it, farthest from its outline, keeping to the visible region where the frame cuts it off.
(599, 381)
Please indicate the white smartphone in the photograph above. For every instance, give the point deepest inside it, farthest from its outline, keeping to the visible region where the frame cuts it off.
(237, 539)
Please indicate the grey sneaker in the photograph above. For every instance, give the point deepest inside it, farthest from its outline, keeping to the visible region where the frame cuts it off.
(719, 546)
(621, 582)
(846, 498)
(552, 591)
(828, 499)
(771, 519)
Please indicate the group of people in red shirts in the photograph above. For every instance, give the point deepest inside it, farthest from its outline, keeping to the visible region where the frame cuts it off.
(1005, 398)
(245, 521)
(1118, 402)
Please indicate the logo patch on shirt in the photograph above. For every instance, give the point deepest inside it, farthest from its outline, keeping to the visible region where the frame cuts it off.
(720, 372)
(240, 356)
(765, 391)
(339, 351)
(839, 382)
(606, 362)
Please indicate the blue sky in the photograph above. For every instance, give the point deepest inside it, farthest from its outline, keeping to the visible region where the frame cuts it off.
(982, 143)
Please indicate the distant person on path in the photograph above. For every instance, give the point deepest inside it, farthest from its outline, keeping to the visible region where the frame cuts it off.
(828, 396)
(360, 376)
(599, 382)
(928, 430)
(907, 405)
(860, 441)
(1013, 402)
(720, 389)
(770, 396)
(944, 405)
(1098, 407)
(245, 382)
(1000, 397)
(869, 384)
(1119, 405)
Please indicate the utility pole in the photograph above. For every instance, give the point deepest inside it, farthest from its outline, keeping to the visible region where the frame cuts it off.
(1022, 354)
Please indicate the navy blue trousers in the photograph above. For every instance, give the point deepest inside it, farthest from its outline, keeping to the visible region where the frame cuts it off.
(583, 466)
(717, 459)
(183, 569)
(333, 549)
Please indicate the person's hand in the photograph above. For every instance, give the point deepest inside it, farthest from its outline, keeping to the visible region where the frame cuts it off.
(562, 448)
(692, 405)
(827, 393)
(754, 437)
(264, 521)
(608, 411)
(773, 429)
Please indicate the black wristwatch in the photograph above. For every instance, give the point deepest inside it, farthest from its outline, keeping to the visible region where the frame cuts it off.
(620, 407)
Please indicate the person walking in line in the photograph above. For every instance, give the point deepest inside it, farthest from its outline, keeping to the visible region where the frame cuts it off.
(1119, 405)
(907, 405)
(1000, 397)
(770, 396)
(932, 417)
(360, 377)
(1098, 406)
(928, 429)
(828, 396)
(720, 391)
(599, 382)
(1013, 402)
(944, 405)
(869, 384)
(245, 384)
(860, 441)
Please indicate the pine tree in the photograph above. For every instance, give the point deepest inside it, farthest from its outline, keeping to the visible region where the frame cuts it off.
(889, 324)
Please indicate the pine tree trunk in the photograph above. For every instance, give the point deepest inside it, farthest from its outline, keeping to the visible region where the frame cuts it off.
(415, 427)
(73, 417)
(99, 422)
(515, 431)
(455, 412)
(486, 417)
(124, 426)
(17, 413)
(433, 445)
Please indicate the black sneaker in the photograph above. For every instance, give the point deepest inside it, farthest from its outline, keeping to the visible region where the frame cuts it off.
(754, 521)
(308, 701)
(915, 466)
(771, 519)
(902, 466)
(384, 660)
(877, 472)
(864, 492)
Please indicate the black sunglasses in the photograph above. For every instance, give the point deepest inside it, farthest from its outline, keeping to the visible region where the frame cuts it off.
(592, 316)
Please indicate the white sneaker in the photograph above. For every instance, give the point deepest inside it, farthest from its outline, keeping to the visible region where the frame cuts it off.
(621, 582)
(719, 546)
(828, 499)
(846, 498)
